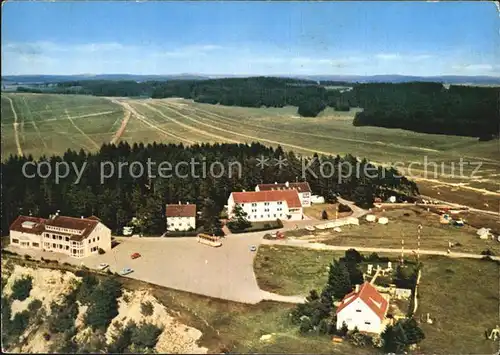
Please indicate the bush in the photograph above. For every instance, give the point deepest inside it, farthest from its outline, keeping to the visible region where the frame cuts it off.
(46, 336)
(22, 288)
(101, 251)
(324, 215)
(147, 308)
(27, 257)
(305, 325)
(487, 252)
(344, 208)
(19, 323)
(35, 305)
(103, 304)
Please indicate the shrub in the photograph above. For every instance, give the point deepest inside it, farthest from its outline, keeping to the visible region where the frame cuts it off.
(146, 336)
(27, 257)
(101, 251)
(147, 308)
(324, 215)
(487, 252)
(35, 305)
(19, 323)
(22, 288)
(305, 325)
(103, 304)
(46, 336)
(344, 208)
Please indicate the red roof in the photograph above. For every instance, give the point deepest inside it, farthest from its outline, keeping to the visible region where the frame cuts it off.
(85, 224)
(370, 296)
(180, 210)
(290, 196)
(299, 186)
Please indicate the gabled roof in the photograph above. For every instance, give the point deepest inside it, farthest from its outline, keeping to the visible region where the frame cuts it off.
(180, 210)
(370, 296)
(39, 225)
(299, 186)
(290, 196)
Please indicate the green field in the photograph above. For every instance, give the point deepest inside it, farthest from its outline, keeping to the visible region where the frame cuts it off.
(44, 128)
(461, 295)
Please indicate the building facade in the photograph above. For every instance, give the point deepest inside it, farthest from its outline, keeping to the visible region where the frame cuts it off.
(365, 309)
(180, 217)
(76, 237)
(302, 188)
(267, 205)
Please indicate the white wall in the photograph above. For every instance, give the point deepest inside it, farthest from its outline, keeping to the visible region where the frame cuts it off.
(305, 198)
(181, 223)
(26, 238)
(265, 211)
(353, 319)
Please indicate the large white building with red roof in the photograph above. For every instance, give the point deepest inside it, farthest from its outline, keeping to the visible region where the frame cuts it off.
(364, 308)
(76, 237)
(267, 205)
(302, 188)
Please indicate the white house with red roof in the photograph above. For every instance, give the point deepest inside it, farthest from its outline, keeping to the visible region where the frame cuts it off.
(364, 308)
(267, 205)
(76, 237)
(181, 217)
(302, 188)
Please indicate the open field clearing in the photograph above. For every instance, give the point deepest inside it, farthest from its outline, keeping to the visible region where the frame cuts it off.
(456, 329)
(50, 124)
(403, 224)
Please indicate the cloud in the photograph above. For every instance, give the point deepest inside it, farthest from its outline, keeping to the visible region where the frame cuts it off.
(187, 51)
(387, 56)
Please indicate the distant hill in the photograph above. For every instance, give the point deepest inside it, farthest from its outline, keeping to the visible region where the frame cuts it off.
(42, 79)
(445, 79)
(389, 78)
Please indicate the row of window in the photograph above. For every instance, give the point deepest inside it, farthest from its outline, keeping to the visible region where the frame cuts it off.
(254, 204)
(26, 244)
(268, 216)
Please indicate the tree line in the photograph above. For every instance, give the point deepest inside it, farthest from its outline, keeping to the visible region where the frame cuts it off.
(116, 200)
(428, 108)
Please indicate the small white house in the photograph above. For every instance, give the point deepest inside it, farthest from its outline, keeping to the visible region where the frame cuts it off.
(180, 217)
(365, 309)
(302, 188)
(267, 205)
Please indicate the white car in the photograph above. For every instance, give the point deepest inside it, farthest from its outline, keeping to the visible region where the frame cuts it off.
(102, 266)
(126, 271)
(253, 248)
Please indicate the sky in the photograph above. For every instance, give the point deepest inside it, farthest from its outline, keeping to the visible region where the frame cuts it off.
(251, 38)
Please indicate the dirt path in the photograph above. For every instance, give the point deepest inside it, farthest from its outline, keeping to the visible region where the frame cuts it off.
(122, 127)
(225, 118)
(80, 116)
(32, 120)
(15, 124)
(191, 128)
(257, 139)
(459, 185)
(82, 132)
(144, 120)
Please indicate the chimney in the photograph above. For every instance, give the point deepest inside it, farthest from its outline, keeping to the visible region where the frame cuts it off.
(356, 289)
(82, 217)
(180, 203)
(287, 184)
(187, 203)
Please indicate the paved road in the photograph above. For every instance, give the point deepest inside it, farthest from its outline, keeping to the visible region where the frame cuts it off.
(458, 205)
(320, 246)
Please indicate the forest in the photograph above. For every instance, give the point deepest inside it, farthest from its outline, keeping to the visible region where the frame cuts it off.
(117, 199)
(417, 106)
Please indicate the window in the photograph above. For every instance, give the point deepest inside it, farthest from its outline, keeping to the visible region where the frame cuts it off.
(60, 238)
(280, 202)
(367, 323)
(281, 214)
(53, 245)
(255, 216)
(261, 216)
(358, 310)
(254, 205)
(67, 239)
(67, 247)
(15, 241)
(53, 236)
(268, 215)
(36, 245)
(275, 215)
(98, 238)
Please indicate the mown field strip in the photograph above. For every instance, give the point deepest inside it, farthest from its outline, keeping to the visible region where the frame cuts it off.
(143, 119)
(15, 124)
(82, 132)
(202, 132)
(257, 139)
(32, 121)
(269, 128)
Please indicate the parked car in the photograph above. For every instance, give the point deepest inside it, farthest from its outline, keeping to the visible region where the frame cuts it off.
(253, 248)
(135, 255)
(126, 271)
(102, 266)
